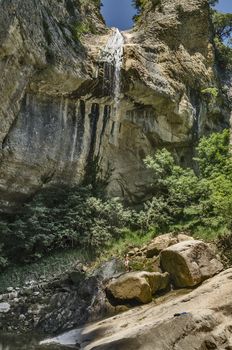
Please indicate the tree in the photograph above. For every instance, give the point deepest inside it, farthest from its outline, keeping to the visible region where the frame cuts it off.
(191, 200)
(223, 38)
(222, 25)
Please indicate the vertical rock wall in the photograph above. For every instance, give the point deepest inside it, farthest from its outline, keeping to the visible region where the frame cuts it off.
(56, 116)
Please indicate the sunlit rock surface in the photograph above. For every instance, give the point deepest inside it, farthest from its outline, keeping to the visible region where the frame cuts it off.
(193, 320)
(57, 109)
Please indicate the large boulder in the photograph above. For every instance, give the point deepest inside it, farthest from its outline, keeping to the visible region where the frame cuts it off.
(196, 320)
(190, 262)
(164, 241)
(137, 286)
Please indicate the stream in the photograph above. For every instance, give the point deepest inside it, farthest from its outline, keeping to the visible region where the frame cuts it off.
(27, 342)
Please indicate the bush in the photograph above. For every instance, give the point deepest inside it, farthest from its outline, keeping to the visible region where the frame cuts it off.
(213, 154)
(62, 218)
(223, 38)
(188, 200)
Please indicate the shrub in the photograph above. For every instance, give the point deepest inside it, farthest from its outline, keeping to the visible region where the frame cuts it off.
(189, 200)
(211, 93)
(223, 38)
(213, 154)
(62, 218)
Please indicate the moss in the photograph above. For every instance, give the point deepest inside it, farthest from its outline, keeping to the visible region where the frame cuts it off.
(212, 91)
(82, 28)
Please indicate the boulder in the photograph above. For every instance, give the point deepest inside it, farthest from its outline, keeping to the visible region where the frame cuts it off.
(189, 263)
(4, 307)
(164, 241)
(197, 320)
(137, 286)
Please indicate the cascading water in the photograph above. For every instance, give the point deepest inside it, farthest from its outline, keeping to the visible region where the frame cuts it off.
(112, 58)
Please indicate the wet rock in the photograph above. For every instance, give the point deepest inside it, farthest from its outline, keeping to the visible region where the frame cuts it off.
(13, 295)
(137, 286)
(204, 322)
(109, 269)
(190, 262)
(4, 307)
(76, 277)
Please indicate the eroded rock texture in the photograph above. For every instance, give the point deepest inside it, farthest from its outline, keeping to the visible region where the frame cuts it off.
(55, 115)
(183, 320)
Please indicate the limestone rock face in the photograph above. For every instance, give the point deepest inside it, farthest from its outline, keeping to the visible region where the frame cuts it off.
(189, 263)
(55, 116)
(164, 241)
(138, 286)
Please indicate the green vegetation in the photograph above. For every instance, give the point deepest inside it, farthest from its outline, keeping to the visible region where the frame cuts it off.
(96, 2)
(223, 38)
(47, 268)
(186, 200)
(211, 93)
(82, 28)
(140, 5)
(80, 218)
(62, 218)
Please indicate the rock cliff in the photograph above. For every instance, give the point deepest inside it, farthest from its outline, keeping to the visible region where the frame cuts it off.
(56, 116)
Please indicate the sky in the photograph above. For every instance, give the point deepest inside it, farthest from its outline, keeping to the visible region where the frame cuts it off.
(119, 13)
(224, 6)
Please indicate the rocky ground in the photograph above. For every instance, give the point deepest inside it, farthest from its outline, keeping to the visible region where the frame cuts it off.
(85, 295)
(197, 320)
(67, 301)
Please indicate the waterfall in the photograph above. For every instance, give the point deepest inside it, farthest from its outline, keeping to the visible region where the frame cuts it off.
(74, 140)
(112, 57)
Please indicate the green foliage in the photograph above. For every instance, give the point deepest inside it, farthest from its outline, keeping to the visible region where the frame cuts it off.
(129, 239)
(49, 267)
(98, 3)
(186, 200)
(222, 24)
(64, 218)
(211, 93)
(213, 154)
(140, 5)
(60, 218)
(224, 244)
(176, 189)
(81, 28)
(223, 38)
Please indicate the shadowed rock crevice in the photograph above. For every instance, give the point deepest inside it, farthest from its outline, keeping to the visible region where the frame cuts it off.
(50, 60)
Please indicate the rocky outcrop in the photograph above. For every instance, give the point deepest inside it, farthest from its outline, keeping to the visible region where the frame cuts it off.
(147, 257)
(189, 263)
(55, 115)
(44, 134)
(137, 287)
(83, 295)
(195, 320)
(164, 241)
(61, 302)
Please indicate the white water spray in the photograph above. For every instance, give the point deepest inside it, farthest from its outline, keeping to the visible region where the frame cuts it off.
(112, 56)
(74, 141)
